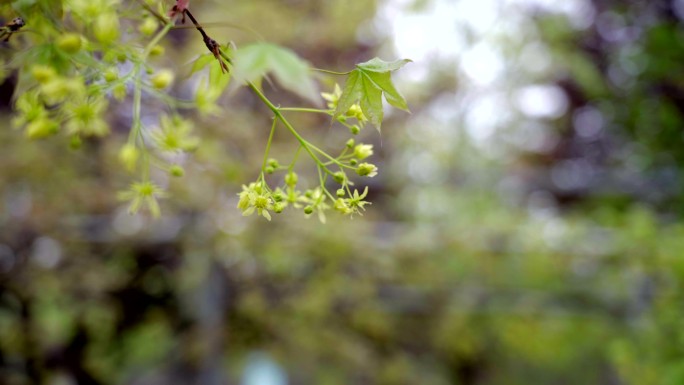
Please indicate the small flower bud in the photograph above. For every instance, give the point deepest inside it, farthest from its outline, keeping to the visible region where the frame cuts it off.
(278, 207)
(355, 129)
(278, 196)
(43, 74)
(70, 42)
(119, 92)
(340, 177)
(342, 206)
(367, 169)
(157, 50)
(269, 170)
(106, 27)
(350, 143)
(75, 143)
(110, 75)
(340, 193)
(177, 171)
(353, 162)
(162, 79)
(148, 26)
(308, 210)
(291, 179)
(128, 156)
(363, 151)
(273, 163)
(41, 128)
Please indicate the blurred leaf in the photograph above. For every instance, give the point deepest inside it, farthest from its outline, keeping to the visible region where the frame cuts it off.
(253, 62)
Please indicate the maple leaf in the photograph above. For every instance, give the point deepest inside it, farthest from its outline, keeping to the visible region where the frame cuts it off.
(366, 84)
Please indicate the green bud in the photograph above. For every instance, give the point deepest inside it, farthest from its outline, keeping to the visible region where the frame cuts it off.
(363, 151)
(162, 79)
(41, 128)
(353, 162)
(119, 92)
(278, 207)
(107, 27)
(355, 129)
(350, 143)
(148, 26)
(121, 57)
(291, 179)
(157, 50)
(110, 75)
(70, 42)
(273, 163)
(278, 196)
(340, 193)
(75, 143)
(177, 171)
(367, 169)
(308, 210)
(43, 74)
(128, 156)
(339, 177)
(269, 170)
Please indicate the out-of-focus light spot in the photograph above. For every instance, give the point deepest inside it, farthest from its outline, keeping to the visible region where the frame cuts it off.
(588, 122)
(482, 64)
(229, 220)
(535, 58)
(46, 252)
(631, 60)
(444, 108)
(678, 7)
(534, 136)
(421, 35)
(542, 204)
(126, 224)
(484, 115)
(580, 13)
(542, 101)
(479, 15)
(19, 203)
(262, 370)
(611, 26)
(554, 232)
(7, 259)
(425, 168)
(572, 174)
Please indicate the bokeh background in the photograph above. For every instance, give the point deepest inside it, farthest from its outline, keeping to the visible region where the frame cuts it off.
(526, 223)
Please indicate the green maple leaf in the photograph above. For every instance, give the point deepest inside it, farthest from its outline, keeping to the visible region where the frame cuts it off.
(254, 61)
(366, 84)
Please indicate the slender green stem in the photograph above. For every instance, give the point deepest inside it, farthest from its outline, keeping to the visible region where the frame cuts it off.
(136, 130)
(287, 124)
(331, 72)
(294, 160)
(268, 145)
(297, 109)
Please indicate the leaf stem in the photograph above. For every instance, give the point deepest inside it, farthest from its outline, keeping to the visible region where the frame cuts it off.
(298, 109)
(287, 124)
(331, 72)
(268, 145)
